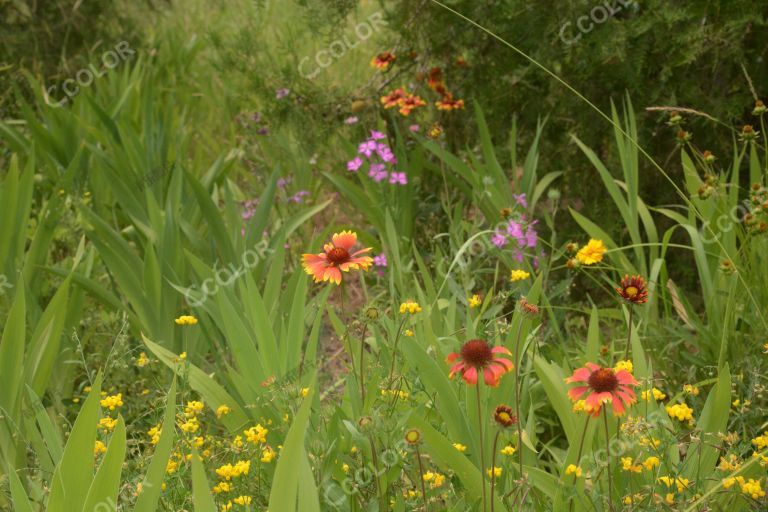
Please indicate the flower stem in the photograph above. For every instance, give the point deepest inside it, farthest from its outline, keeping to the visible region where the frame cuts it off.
(629, 332)
(608, 452)
(362, 367)
(517, 398)
(421, 479)
(493, 466)
(482, 455)
(394, 351)
(581, 449)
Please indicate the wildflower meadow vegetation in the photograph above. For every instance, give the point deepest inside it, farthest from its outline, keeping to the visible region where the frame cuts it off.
(354, 256)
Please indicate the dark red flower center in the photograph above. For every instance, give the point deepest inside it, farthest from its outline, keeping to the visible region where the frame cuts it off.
(338, 255)
(476, 354)
(603, 380)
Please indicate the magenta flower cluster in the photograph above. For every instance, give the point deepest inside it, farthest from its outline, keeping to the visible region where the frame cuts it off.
(380, 158)
(517, 231)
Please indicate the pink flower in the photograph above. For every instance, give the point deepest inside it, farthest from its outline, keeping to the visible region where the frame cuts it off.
(354, 164)
(367, 148)
(351, 120)
(377, 135)
(398, 177)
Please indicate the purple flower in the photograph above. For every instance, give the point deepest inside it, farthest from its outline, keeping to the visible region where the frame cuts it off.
(518, 256)
(367, 148)
(377, 172)
(521, 200)
(414, 128)
(354, 164)
(377, 135)
(514, 229)
(385, 153)
(282, 93)
(398, 177)
(282, 182)
(499, 240)
(262, 131)
(256, 117)
(297, 197)
(380, 260)
(351, 120)
(531, 237)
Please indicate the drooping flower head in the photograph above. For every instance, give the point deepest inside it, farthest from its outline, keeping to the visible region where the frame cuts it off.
(336, 258)
(591, 253)
(603, 386)
(504, 417)
(477, 356)
(633, 289)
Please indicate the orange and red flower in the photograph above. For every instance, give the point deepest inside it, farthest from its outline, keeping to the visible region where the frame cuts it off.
(633, 289)
(409, 103)
(477, 356)
(449, 103)
(394, 98)
(383, 60)
(605, 386)
(336, 258)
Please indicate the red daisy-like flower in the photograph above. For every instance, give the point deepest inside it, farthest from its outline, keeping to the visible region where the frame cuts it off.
(336, 258)
(449, 103)
(409, 103)
(394, 98)
(477, 356)
(604, 386)
(383, 60)
(633, 289)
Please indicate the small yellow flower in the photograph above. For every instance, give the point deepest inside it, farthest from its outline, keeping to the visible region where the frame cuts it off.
(410, 306)
(518, 275)
(573, 469)
(186, 320)
(112, 402)
(222, 487)
(624, 365)
(751, 487)
(474, 301)
(651, 462)
(193, 408)
(681, 483)
(408, 333)
(627, 464)
(107, 424)
(171, 467)
(670, 498)
(304, 392)
(494, 472)
(728, 482)
(690, 389)
(242, 500)
(256, 435)
(267, 455)
(345, 467)
(508, 450)
(460, 447)
(154, 434)
(656, 393)
(222, 410)
(142, 360)
(591, 253)
(681, 412)
(99, 448)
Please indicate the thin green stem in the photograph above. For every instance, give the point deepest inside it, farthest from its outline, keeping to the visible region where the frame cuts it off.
(493, 466)
(629, 332)
(362, 366)
(482, 444)
(517, 397)
(581, 449)
(394, 350)
(608, 452)
(421, 479)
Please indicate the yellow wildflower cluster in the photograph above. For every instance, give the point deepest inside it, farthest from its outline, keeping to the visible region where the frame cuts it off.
(474, 301)
(460, 447)
(573, 469)
(228, 471)
(627, 464)
(582, 406)
(142, 360)
(435, 479)
(624, 365)
(656, 393)
(112, 402)
(508, 450)
(494, 472)
(690, 389)
(753, 488)
(154, 434)
(410, 306)
(193, 408)
(732, 463)
(518, 275)
(107, 424)
(402, 395)
(681, 483)
(256, 435)
(761, 442)
(186, 320)
(222, 410)
(681, 412)
(99, 448)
